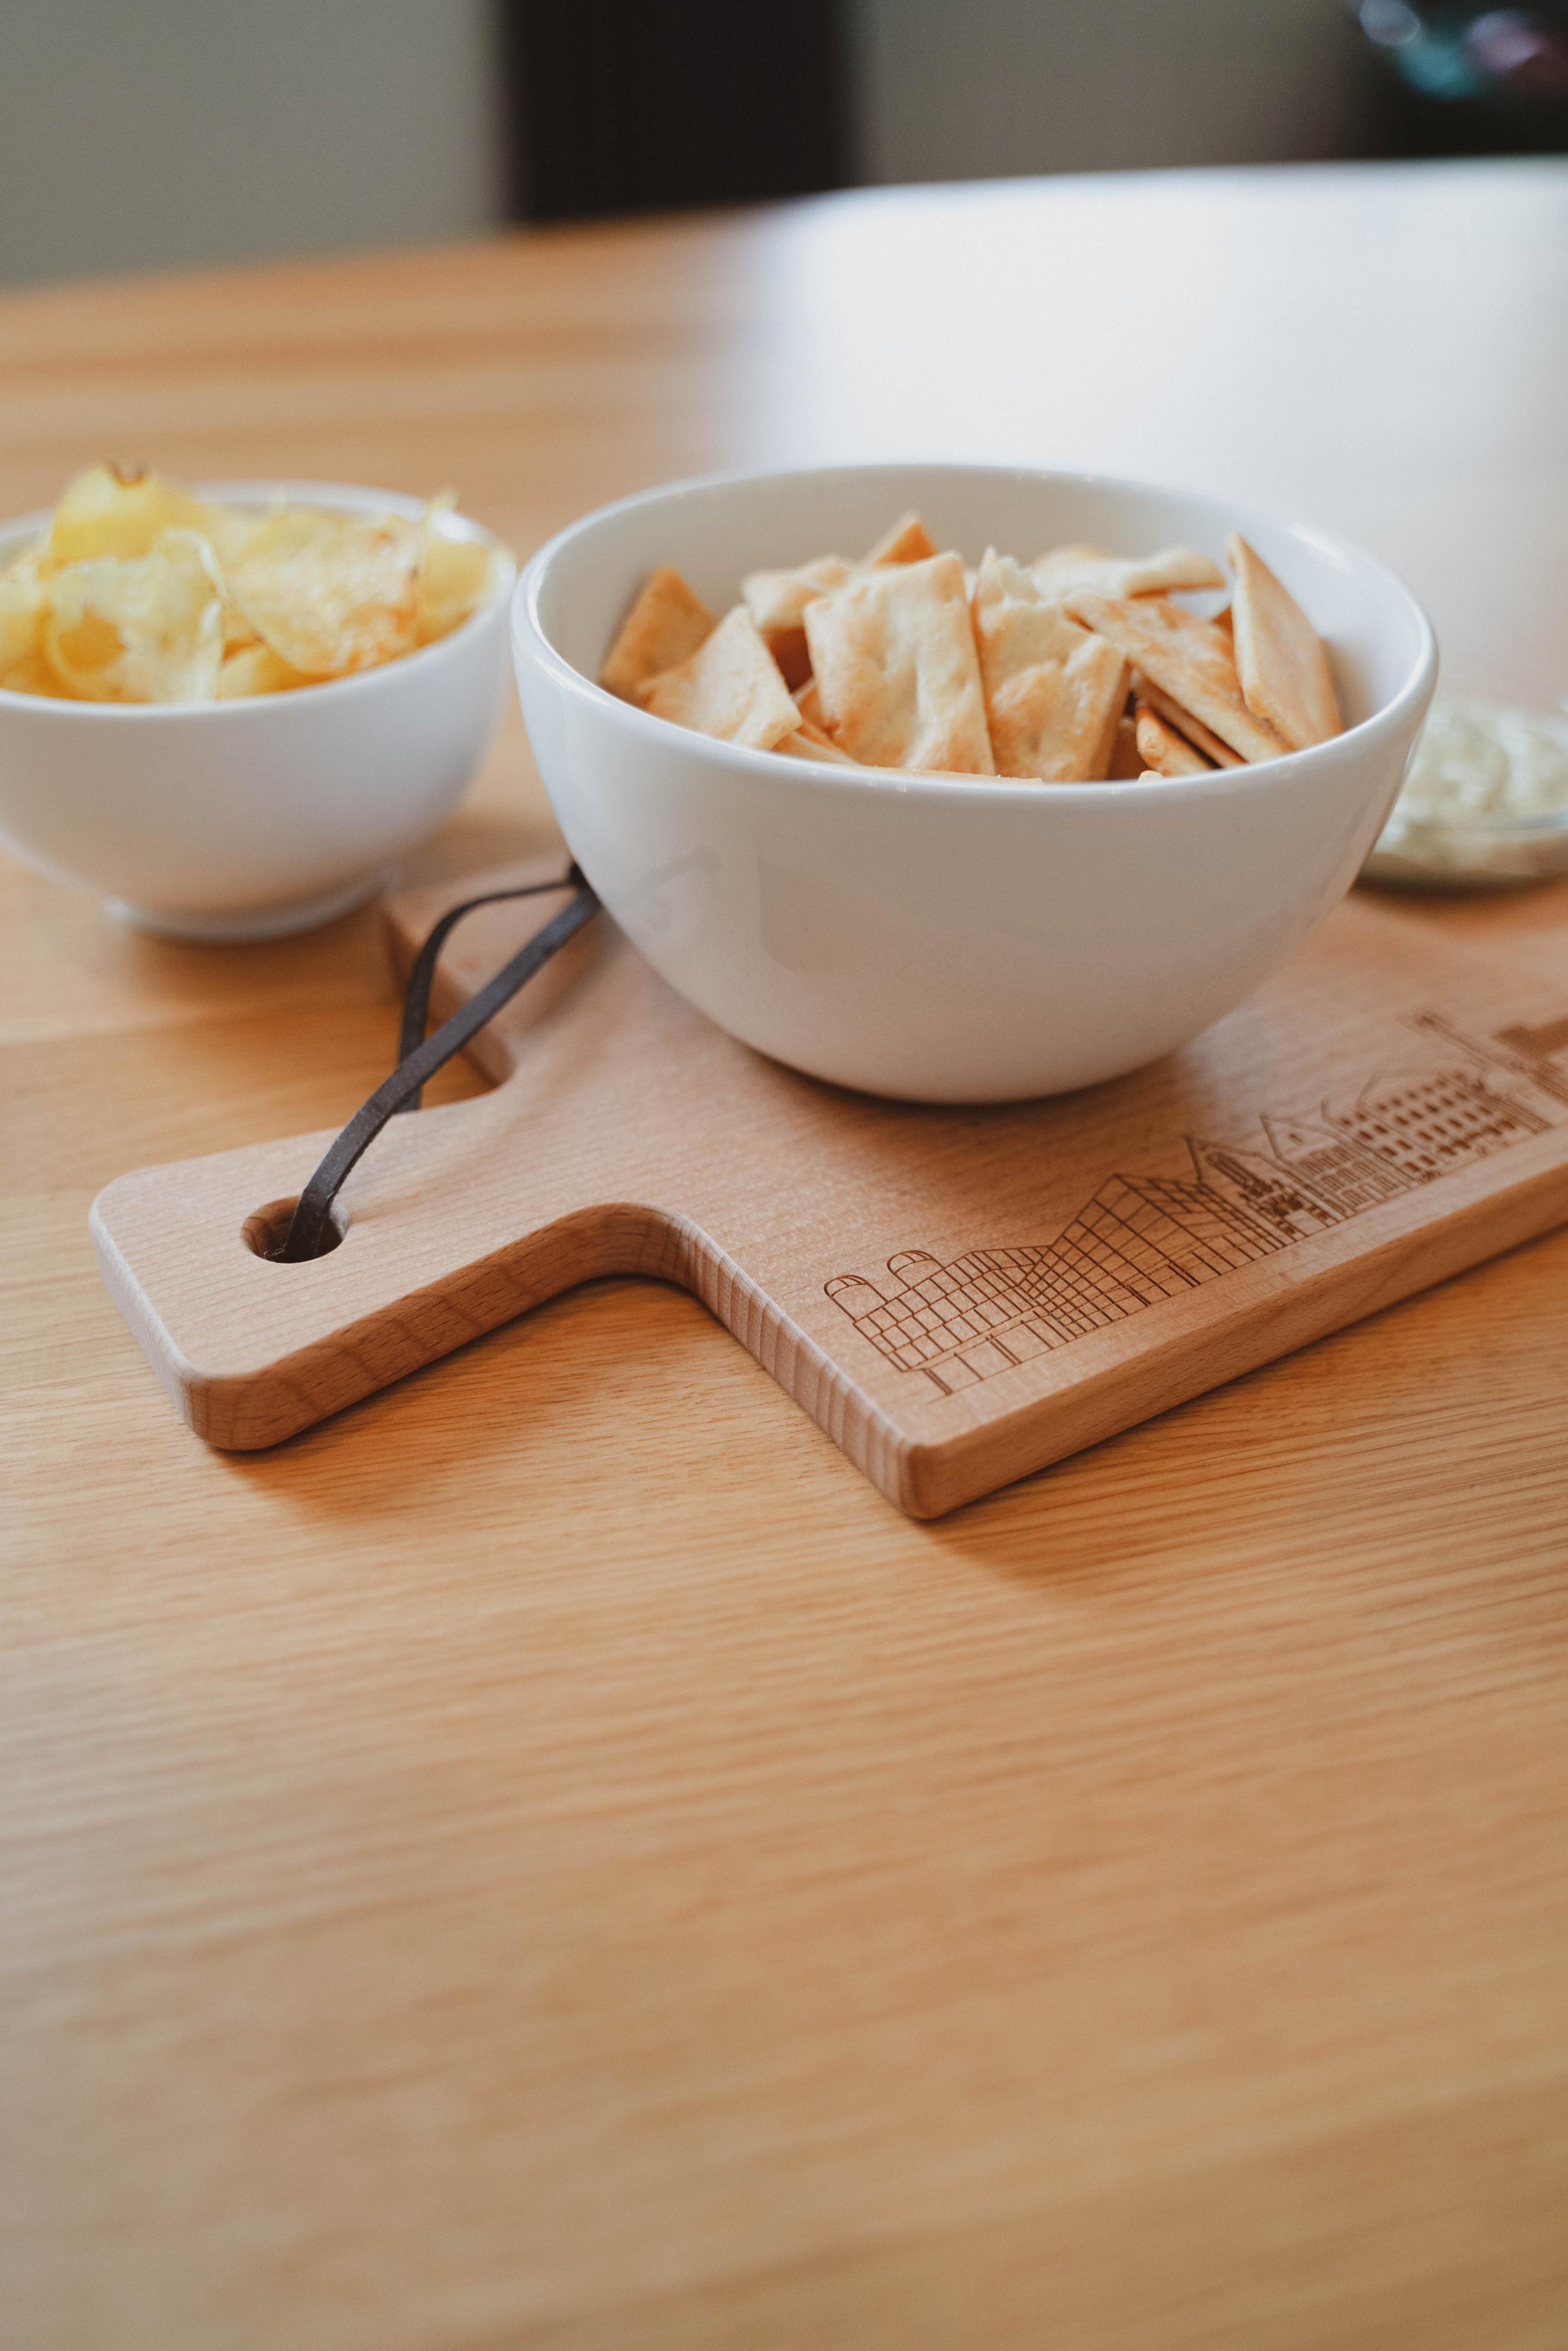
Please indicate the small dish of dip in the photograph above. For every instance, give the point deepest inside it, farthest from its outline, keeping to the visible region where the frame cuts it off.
(1484, 804)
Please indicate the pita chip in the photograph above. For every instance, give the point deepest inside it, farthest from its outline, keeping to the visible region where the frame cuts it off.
(809, 742)
(1164, 751)
(664, 627)
(777, 601)
(1283, 669)
(1064, 568)
(1126, 761)
(894, 667)
(789, 649)
(1053, 690)
(730, 687)
(908, 541)
(1202, 738)
(1190, 659)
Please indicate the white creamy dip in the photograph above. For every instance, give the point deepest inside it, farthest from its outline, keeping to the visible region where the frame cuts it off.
(1484, 774)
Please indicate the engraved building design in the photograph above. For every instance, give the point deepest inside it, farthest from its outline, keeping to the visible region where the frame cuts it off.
(1143, 1238)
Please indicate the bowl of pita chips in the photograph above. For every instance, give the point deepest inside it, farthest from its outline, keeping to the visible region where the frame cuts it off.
(230, 710)
(965, 784)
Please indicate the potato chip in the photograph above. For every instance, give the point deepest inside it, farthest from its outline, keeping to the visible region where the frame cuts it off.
(111, 510)
(143, 628)
(330, 593)
(256, 669)
(33, 674)
(1163, 750)
(893, 661)
(23, 602)
(1191, 659)
(1283, 669)
(908, 541)
(238, 634)
(231, 529)
(452, 579)
(664, 627)
(310, 592)
(1053, 690)
(1202, 738)
(730, 687)
(1066, 569)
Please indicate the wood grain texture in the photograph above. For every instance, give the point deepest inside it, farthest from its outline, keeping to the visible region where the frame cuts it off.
(956, 1296)
(548, 1858)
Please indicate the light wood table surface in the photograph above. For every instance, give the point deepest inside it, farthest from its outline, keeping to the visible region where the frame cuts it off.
(549, 1859)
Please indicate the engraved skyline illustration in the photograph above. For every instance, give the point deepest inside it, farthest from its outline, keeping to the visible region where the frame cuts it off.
(1143, 1239)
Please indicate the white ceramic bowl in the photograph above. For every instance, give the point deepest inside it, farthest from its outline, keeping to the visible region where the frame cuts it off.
(942, 941)
(250, 818)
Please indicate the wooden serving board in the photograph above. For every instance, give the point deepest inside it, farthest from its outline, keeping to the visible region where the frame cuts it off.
(957, 1297)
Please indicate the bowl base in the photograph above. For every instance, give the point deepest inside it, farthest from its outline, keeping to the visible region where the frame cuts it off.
(279, 921)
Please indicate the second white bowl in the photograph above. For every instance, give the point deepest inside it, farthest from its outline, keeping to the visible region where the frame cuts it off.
(251, 819)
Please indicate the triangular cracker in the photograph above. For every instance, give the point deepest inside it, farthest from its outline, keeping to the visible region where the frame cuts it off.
(1126, 761)
(664, 627)
(777, 601)
(1283, 669)
(789, 649)
(809, 742)
(1162, 749)
(1191, 659)
(1202, 738)
(1053, 690)
(908, 541)
(730, 687)
(893, 662)
(1065, 568)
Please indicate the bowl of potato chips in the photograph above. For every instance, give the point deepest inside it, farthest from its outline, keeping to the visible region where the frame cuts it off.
(964, 783)
(230, 709)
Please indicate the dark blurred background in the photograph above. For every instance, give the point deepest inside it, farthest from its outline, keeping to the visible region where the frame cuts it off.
(165, 132)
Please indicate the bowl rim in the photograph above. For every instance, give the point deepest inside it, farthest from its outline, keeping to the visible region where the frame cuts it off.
(806, 776)
(354, 497)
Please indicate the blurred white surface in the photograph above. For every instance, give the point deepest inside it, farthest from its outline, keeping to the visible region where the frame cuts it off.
(148, 134)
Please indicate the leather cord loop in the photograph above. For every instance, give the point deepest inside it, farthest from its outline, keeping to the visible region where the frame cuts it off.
(422, 972)
(310, 1225)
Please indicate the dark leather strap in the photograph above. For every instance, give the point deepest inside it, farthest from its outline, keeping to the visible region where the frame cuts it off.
(311, 1229)
(416, 995)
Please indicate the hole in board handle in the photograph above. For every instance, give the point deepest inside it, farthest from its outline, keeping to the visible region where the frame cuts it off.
(265, 1230)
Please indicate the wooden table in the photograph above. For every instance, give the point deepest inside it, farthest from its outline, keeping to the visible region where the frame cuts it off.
(549, 1857)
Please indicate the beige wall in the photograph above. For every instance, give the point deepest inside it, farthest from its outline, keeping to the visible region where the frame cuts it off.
(139, 135)
(963, 89)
